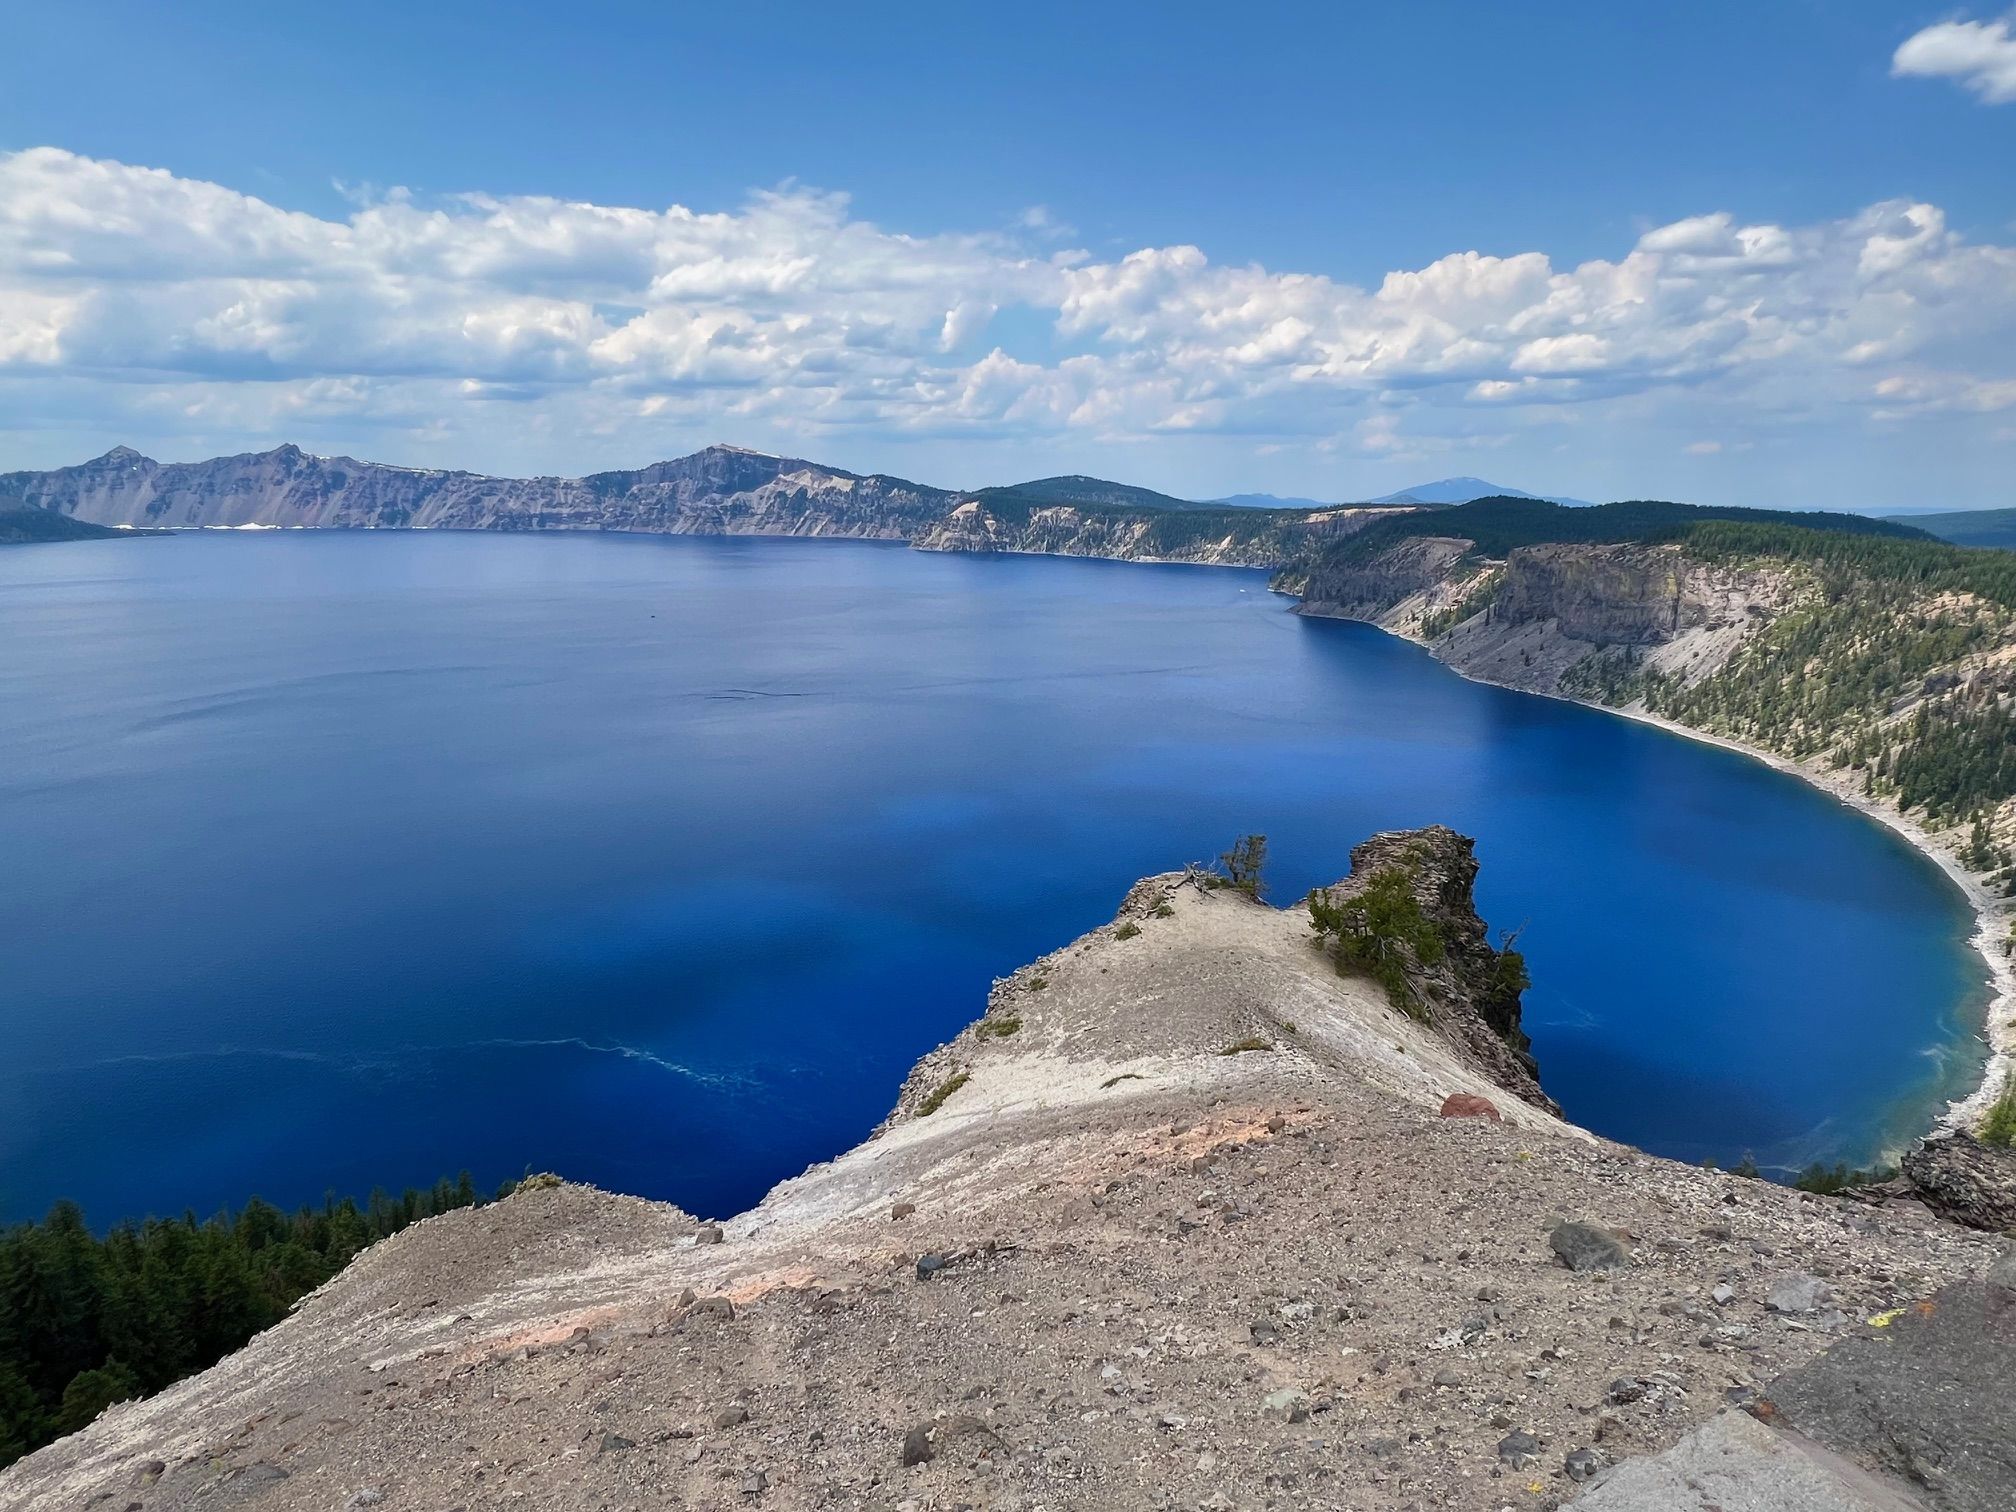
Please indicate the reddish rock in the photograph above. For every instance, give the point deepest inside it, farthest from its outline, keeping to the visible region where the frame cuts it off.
(1470, 1105)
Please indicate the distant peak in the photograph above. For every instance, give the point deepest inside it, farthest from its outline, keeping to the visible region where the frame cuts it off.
(122, 454)
(1462, 490)
(744, 451)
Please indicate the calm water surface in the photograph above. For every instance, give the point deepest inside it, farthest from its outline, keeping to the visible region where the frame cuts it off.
(330, 861)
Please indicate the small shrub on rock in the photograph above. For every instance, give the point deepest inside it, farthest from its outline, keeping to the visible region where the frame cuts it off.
(1244, 864)
(944, 1090)
(1384, 933)
(1999, 1128)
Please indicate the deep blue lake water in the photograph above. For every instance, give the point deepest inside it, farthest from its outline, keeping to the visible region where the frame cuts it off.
(332, 861)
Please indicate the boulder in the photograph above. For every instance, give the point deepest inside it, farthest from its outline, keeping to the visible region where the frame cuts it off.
(1960, 1178)
(1470, 1105)
(1798, 1294)
(1286, 1405)
(1585, 1247)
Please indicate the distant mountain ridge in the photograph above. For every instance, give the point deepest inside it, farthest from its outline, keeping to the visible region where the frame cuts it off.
(720, 490)
(731, 490)
(1967, 527)
(723, 490)
(1464, 490)
(1270, 501)
(1077, 488)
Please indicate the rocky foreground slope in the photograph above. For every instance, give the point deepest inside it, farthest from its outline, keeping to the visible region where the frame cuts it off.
(1180, 1223)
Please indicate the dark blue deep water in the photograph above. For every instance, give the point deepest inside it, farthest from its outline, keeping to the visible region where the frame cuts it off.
(331, 861)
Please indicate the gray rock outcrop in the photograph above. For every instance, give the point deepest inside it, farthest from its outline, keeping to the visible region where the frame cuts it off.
(1471, 996)
(1960, 1178)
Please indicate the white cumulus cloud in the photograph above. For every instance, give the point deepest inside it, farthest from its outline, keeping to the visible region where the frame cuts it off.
(516, 326)
(1980, 55)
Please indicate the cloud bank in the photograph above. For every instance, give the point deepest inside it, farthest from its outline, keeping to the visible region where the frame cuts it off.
(133, 297)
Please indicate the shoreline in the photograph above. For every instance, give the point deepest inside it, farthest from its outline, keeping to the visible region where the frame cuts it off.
(1999, 1014)
(1991, 915)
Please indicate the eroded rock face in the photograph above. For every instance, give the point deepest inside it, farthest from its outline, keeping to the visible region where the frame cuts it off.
(1533, 619)
(723, 490)
(1610, 596)
(1960, 1178)
(1472, 995)
(1371, 589)
(1068, 530)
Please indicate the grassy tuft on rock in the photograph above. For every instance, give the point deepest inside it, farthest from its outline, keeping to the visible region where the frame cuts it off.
(944, 1090)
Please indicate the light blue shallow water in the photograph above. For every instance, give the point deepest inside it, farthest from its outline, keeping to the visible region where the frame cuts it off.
(337, 860)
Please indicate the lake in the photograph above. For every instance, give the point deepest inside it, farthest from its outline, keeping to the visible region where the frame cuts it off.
(339, 860)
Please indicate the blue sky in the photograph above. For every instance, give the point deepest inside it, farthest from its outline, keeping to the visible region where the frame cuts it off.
(914, 227)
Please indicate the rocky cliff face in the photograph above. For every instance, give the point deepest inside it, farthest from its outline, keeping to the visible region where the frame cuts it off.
(1179, 1223)
(1223, 538)
(720, 491)
(1532, 619)
(1399, 583)
(1618, 596)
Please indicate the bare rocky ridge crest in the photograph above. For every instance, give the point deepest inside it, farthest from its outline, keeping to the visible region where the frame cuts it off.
(1176, 1224)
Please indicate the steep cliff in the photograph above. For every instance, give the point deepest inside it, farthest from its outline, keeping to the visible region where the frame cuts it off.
(1399, 586)
(1550, 609)
(1893, 661)
(1011, 520)
(1183, 1221)
(723, 490)
(1532, 618)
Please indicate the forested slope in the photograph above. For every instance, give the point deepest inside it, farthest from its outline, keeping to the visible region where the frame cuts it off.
(86, 1321)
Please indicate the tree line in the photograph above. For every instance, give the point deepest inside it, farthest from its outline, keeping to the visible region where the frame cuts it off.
(87, 1321)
